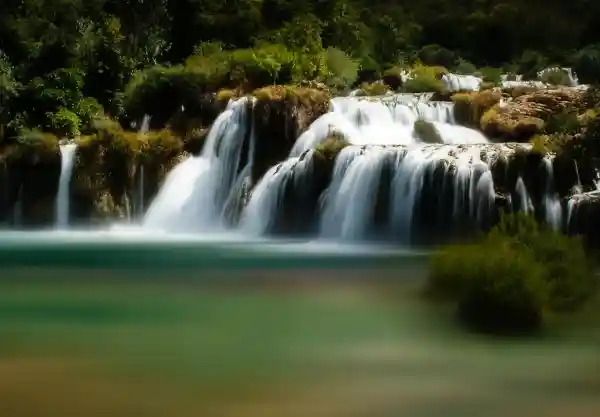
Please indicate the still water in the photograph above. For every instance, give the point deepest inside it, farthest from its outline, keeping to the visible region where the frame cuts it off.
(126, 324)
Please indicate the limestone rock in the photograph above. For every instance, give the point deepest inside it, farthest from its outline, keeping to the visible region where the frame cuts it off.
(518, 119)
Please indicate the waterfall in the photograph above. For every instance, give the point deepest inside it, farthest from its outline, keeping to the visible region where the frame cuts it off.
(350, 206)
(385, 121)
(195, 191)
(552, 205)
(67, 156)
(459, 82)
(139, 199)
(261, 212)
(430, 187)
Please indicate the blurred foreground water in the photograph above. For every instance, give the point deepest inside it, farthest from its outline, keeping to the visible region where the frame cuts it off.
(126, 324)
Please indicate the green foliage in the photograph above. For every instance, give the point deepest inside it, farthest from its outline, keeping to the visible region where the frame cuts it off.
(530, 64)
(58, 52)
(332, 146)
(426, 79)
(465, 67)
(427, 132)
(161, 91)
(556, 76)
(373, 89)
(566, 122)
(435, 55)
(586, 64)
(470, 107)
(342, 70)
(64, 123)
(491, 75)
(512, 278)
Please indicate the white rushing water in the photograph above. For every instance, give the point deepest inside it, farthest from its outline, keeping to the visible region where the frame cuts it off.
(194, 193)
(260, 213)
(385, 121)
(67, 157)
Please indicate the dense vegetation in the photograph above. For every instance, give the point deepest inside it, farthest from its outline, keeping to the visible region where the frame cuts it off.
(64, 61)
(515, 277)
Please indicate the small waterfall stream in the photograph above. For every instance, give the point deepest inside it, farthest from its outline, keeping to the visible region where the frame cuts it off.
(195, 191)
(67, 154)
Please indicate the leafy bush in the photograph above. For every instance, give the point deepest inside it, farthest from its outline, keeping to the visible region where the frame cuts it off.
(555, 76)
(530, 64)
(513, 277)
(427, 132)
(586, 64)
(64, 123)
(435, 55)
(465, 67)
(342, 70)
(425, 84)
(491, 75)
(161, 91)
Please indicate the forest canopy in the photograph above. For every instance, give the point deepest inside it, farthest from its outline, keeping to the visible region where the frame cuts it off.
(62, 61)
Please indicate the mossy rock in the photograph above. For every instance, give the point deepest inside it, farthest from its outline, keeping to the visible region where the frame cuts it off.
(521, 118)
(470, 107)
(31, 168)
(373, 89)
(393, 78)
(279, 115)
(515, 128)
(427, 132)
(107, 170)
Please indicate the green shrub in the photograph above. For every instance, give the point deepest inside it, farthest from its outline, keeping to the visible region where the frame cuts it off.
(465, 67)
(427, 132)
(501, 296)
(435, 55)
(491, 75)
(586, 64)
(556, 76)
(64, 123)
(161, 91)
(514, 277)
(530, 63)
(342, 70)
(424, 83)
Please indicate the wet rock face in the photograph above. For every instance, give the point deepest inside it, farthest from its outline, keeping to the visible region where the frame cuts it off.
(520, 118)
(116, 174)
(584, 218)
(29, 175)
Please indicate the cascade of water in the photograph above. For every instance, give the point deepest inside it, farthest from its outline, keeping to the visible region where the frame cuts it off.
(459, 82)
(552, 205)
(260, 214)
(525, 203)
(195, 191)
(349, 208)
(145, 127)
(384, 121)
(472, 190)
(67, 156)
